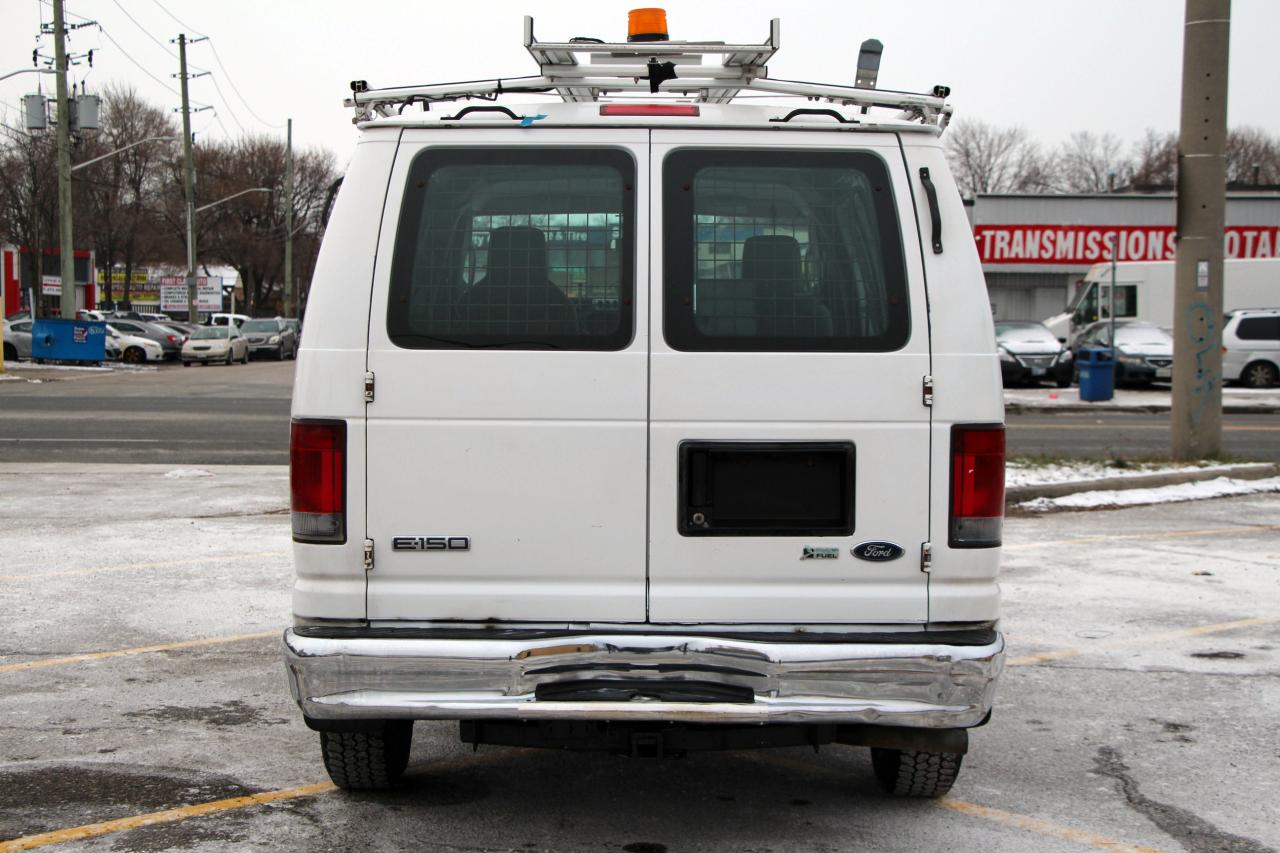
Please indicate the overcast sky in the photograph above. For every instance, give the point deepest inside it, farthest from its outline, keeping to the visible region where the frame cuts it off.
(1053, 67)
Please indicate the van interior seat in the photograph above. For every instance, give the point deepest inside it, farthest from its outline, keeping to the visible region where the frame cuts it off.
(516, 296)
(768, 301)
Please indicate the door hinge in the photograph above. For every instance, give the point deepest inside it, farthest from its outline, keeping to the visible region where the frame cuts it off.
(368, 386)
(368, 555)
(926, 556)
(927, 390)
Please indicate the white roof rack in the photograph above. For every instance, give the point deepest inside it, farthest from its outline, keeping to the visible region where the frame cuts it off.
(588, 70)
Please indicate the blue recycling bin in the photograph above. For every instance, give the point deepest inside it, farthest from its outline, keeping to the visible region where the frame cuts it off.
(1097, 374)
(69, 340)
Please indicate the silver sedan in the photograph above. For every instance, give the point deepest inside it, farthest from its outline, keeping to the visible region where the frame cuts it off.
(222, 344)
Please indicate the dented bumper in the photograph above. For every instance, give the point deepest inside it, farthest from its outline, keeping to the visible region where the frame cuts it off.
(625, 676)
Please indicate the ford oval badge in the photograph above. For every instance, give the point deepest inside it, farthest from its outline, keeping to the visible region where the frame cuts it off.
(877, 552)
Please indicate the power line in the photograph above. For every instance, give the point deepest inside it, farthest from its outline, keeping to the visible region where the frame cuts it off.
(236, 89)
(176, 18)
(213, 78)
(128, 56)
(144, 30)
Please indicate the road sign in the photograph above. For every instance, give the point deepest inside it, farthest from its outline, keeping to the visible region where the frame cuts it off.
(173, 293)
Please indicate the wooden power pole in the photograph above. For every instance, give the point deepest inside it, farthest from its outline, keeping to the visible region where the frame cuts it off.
(66, 242)
(1202, 200)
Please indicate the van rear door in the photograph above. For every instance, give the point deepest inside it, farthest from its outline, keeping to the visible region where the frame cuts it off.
(789, 439)
(508, 345)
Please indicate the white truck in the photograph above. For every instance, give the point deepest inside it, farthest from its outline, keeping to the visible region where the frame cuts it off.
(1145, 290)
(647, 424)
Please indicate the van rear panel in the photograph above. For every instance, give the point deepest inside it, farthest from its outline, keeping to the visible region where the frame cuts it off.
(691, 404)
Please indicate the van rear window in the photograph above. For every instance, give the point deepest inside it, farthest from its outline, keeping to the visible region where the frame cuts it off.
(782, 250)
(515, 248)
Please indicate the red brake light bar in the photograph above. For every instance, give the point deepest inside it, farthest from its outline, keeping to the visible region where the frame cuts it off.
(977, 485)
(649, 110)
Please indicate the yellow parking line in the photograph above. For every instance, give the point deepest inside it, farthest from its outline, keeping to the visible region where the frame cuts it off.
(93, 830)
(1043, 827)
(1031, 824)
(128, 567)
(1144, 639)
(1167, 534)
(140, 650)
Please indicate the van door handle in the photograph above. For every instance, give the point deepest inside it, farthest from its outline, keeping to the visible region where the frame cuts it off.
(935, 217)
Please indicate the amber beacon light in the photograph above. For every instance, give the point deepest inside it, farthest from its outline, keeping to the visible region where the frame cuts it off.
(647, 25)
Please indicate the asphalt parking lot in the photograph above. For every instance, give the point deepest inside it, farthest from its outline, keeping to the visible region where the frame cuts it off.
(145, 705)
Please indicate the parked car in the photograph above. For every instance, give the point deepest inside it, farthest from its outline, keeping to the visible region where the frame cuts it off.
(182, 330)
(270, 336)
(215, 343)
(133, 349)
(220, 319)
(1251, 347)
(1030, 353)
(167, 338)
(17, 339)
(295, 324)
(18, 315)
(1144, 353)
(627, 438)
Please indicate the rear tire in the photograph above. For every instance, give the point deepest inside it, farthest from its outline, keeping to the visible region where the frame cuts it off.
(186, 364)
(1260, 374)
(230, 360)
(908, 773)
(10, 352)
(369, 760)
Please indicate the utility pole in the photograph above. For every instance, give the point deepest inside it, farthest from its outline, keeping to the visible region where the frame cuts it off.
(290, 291)
(1197, 307)
(189, 182)
(66, 242)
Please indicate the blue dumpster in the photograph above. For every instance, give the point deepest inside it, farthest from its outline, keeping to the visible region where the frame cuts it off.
(1097, 374)
(69, 340)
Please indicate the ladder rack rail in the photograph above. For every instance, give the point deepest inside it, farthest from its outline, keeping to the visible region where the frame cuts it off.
(626, 67)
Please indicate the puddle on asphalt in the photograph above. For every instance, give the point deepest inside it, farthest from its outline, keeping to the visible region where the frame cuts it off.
(45, 797)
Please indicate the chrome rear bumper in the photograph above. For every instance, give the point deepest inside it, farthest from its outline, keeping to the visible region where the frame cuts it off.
(900, 684)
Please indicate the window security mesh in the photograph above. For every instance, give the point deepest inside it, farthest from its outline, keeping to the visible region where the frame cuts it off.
(773, 253)
(524, 250)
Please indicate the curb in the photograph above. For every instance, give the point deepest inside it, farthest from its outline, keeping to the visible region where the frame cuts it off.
(1248, 471)
(1155, 409)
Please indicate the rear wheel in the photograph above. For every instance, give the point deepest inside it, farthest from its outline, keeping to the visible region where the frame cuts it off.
(368, 760)
(1260, 374)
(909, 773)
(186, 364)
(10, 352)
(230, 360)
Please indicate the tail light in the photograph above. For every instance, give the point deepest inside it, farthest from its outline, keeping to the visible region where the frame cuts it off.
(977, 485)
(173, 339)
(318, 480)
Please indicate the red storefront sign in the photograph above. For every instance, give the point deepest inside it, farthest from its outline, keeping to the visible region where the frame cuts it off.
(1081, 245)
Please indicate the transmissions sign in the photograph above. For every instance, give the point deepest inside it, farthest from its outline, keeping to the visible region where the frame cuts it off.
(1083, 245)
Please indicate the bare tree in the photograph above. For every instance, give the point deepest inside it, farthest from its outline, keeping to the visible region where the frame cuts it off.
(28, 195)
(1155, 160)
(989, 159)
(1252, 150)
(120, 194)
(1092, 163)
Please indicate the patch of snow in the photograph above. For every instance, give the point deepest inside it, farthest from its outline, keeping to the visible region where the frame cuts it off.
(1219, 488)
(1072, 470)
(9, 377)
(1160, 398)
(187, 473)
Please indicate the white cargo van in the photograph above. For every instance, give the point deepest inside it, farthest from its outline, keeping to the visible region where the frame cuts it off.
(1145, 290)
(648, 425)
